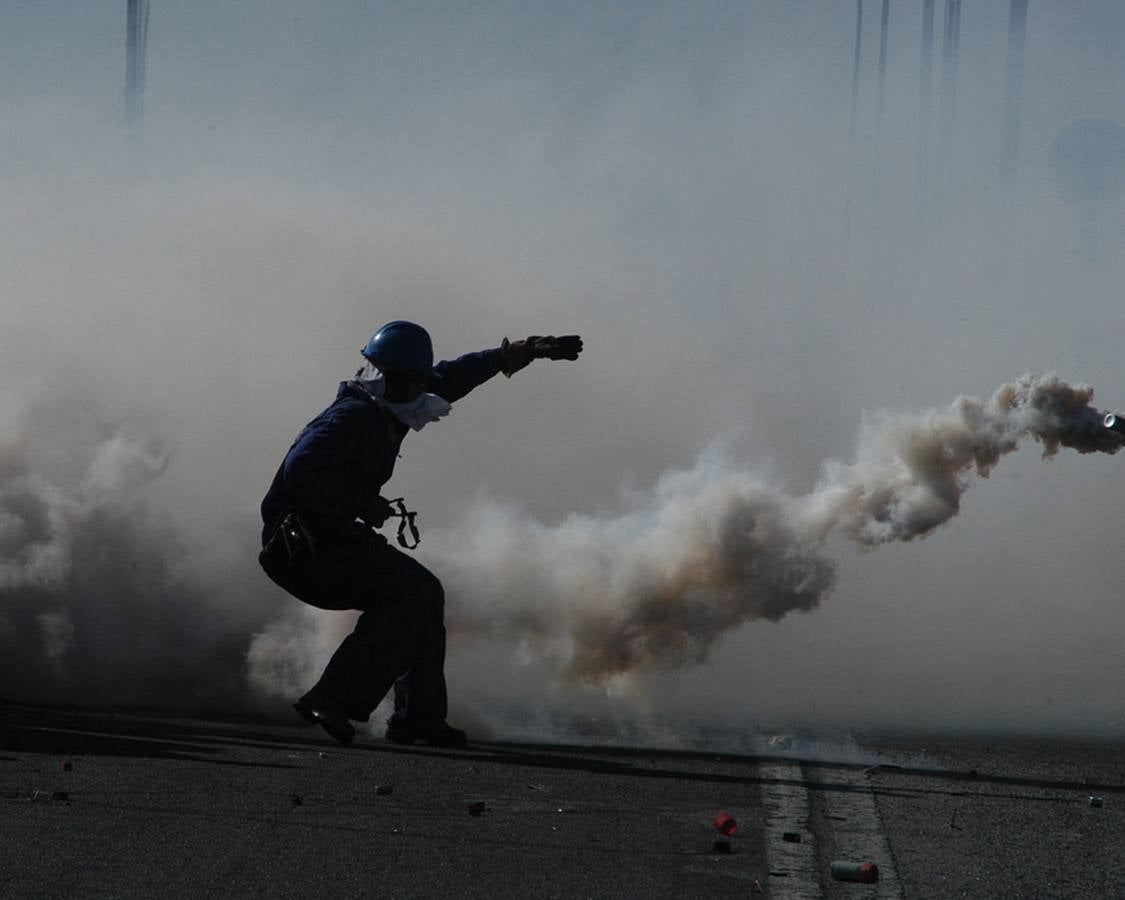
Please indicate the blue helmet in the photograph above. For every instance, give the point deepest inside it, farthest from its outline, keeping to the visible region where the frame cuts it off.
(401, 347)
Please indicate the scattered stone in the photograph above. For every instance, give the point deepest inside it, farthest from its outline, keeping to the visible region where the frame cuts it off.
(791, 837)
(383, 790)
(296, 800)
(722, 847)
(476, 808)
(1097, 802)
(60, 795)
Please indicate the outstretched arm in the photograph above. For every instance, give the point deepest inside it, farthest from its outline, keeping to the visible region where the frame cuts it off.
(454, 378)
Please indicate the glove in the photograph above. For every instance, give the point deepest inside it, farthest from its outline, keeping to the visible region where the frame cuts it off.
(379, 511)
(518, 354)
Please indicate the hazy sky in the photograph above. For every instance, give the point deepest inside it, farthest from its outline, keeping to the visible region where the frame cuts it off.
(668, 180)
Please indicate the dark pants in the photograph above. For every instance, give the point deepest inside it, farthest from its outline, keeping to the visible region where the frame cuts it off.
(399, 639)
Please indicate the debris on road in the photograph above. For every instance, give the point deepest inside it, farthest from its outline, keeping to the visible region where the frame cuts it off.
(791, 837)
(725, 824)
(476, 808)
(1097, 802)
(865, 872)
(383, 790)
(296, 800)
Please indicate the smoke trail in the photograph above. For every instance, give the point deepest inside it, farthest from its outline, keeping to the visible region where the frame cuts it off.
(909, 472)
(716, 547)
(103, 600)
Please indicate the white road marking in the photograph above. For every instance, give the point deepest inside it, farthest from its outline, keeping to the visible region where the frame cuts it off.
(786, 802)
(857, 829)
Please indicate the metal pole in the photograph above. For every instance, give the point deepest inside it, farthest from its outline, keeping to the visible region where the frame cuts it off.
(1013, 92)
(855, 101)
(136, 38)
(950, 42)
(877, 155)
(922, 178)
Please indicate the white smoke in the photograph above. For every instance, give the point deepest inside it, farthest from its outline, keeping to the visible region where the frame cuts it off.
(595, 597)
(102, 600)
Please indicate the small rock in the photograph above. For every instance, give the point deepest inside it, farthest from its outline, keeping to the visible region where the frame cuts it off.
(383, 790)
(791, 837)
(722, 847)
(476, 808)
(296, 800)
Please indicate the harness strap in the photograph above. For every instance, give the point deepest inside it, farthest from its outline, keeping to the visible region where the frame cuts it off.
(406, 523)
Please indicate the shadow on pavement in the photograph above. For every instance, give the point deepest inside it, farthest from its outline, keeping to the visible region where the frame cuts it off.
(30, 729)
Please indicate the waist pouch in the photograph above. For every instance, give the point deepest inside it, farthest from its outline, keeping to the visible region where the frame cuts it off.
(290, 558)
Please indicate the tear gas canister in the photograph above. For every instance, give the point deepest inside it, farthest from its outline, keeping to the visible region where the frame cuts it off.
(864, 872)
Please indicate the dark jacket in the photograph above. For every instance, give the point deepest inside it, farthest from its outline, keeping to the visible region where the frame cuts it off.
(336, 467)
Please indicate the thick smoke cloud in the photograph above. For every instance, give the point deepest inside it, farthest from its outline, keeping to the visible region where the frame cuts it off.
(713, 548)
(180, 298)
(101, 599)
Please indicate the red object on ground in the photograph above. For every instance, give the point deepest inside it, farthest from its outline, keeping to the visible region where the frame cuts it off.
(867, 873)
(726, 824)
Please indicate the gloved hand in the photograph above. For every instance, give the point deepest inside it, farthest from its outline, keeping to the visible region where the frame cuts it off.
(518, 354)
(379, 511)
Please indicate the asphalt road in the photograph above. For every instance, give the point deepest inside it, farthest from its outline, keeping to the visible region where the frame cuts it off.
(101, 805)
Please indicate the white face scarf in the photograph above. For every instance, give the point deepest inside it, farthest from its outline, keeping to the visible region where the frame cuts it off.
(416, 414)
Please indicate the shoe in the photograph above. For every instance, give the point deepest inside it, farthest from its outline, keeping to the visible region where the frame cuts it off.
(439, 734)
(332, 721)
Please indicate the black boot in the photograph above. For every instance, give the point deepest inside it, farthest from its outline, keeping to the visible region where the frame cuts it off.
(331, 720)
